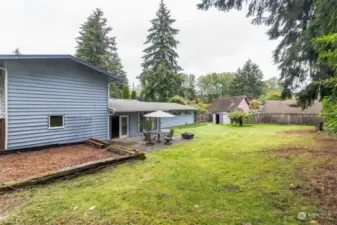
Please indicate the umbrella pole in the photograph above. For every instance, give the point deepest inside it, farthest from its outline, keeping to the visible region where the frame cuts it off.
(158, 128)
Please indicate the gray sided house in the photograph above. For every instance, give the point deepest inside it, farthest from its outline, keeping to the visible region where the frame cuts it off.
(59, 99)
(126, 119)
(51, 99)
(224, 105)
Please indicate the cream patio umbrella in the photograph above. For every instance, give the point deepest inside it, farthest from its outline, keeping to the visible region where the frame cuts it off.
(159, 114)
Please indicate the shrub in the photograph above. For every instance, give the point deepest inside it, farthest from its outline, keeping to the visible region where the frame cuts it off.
(126, 92)
(178, 99)
(329, 113)
(201, 110)
(200, 106)
(273, 95)
(238, 117)
(254, 104)
(134, 94)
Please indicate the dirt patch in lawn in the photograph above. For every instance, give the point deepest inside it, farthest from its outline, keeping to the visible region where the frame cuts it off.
(9, 203)
(322, 179)
(15, 167)
(308, 131)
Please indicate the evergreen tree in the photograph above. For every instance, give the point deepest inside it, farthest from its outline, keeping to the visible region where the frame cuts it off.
(191, 93)
(126, 92)
(295, 23)
(17, 51)
(117, 67)
(188, 87)
(160, 78)
(115, 91)
(96, 46)
(248, 81)
(134, 94)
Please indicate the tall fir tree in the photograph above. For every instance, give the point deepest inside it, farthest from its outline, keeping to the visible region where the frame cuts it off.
(96, 46)
(248, 81)
(160, 79)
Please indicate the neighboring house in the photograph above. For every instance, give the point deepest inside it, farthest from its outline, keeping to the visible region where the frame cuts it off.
(127, 120)
(224, 105)
(290, 107)
(52, 99)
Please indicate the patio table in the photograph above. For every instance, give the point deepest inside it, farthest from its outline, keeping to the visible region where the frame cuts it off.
(159, 114)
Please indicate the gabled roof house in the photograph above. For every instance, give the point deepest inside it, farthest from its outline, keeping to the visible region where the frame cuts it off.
(290, 107)
(224, 105)
(59, 99)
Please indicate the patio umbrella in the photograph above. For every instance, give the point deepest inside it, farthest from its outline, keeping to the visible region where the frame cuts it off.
(158, 114)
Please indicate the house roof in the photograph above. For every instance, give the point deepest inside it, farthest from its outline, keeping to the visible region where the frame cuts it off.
(226, 104)
(289, 107)
(124, 105)
(16, 57)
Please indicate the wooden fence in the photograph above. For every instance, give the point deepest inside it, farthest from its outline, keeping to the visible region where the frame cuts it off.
(273, 118)
(203, 118)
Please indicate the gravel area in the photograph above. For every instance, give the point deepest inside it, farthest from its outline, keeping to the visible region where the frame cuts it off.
(15, 167)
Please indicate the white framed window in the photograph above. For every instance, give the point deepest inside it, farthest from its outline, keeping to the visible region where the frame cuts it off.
(56, 121)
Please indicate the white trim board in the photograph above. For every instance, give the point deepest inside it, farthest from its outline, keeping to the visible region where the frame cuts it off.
(120, 126)
(53, 128)
(6, 104)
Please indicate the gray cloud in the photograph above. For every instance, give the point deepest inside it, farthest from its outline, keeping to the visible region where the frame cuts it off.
(211, 41)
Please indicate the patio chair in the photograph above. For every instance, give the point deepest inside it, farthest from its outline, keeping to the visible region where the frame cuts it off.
(145, 132)
(169, 137)
(148, 138)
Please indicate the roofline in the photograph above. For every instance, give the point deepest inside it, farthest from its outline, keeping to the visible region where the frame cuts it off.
(147, 110)
(189, 108)
(15, 57)
(243, 97)
(247, 100)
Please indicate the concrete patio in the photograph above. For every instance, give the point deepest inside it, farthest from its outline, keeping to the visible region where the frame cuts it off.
(140, 144)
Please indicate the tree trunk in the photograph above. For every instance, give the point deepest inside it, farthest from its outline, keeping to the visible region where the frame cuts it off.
(241, 121)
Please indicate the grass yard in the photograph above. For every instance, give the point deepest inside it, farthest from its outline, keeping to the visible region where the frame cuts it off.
(229, 175)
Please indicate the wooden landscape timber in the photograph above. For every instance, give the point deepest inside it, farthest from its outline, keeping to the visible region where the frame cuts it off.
(97, 143)
(74, 171)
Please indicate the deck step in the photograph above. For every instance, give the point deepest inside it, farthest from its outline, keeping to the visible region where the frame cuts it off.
(97, 143)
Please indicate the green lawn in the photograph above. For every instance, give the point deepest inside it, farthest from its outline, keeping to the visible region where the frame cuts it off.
(221, 178)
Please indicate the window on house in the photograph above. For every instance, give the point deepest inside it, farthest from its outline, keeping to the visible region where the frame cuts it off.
(146, 123)
(56, 121)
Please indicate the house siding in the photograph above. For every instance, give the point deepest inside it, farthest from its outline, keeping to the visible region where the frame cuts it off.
(39, 88)
(179, 120)
(244, 106)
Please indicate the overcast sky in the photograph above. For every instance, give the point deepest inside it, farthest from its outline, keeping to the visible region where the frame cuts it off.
(210, 41)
